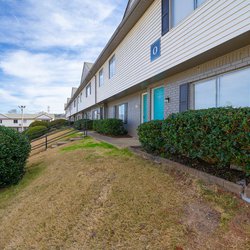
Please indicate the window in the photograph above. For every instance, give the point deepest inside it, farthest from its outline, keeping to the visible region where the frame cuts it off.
(101, 80)
(15, 121)
(88, 90)
(112, 67)
(74, 103)
(180, 9)
(205, 94)
(122, 112)
(234, 89)
(95, 115)
(81, 97)
(231, 89)
(1, 121)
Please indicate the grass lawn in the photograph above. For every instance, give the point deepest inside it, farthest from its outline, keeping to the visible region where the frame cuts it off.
(91, 195)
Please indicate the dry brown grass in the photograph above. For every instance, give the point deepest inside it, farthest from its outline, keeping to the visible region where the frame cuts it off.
(93, 196)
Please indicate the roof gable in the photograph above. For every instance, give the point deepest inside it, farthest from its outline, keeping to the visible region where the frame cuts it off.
(44, 117)
(86, 68)
(73, 92)
(3, 116)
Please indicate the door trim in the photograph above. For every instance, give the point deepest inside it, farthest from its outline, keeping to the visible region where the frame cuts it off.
(142, 106)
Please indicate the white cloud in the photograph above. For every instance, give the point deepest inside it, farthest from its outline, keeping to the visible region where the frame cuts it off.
(43, 45)
(41, 68)
(59, 23)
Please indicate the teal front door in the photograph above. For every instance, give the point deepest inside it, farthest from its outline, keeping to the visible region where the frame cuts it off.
(144, 108)
(158, 103)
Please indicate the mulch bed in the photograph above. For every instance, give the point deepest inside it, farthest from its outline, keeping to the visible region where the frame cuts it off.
(228, 173)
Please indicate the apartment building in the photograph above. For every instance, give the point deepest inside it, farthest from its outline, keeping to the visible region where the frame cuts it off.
(16, 121)
(168, 56)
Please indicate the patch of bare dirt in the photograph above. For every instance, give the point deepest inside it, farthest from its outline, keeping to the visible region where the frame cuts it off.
(201, 221)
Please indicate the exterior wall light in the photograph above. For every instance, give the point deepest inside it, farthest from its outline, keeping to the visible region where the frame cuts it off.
(167, 100)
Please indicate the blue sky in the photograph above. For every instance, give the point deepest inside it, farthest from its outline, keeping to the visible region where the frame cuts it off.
(43, 45)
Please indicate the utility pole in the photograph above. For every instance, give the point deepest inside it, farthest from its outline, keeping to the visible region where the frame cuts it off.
(22, 108)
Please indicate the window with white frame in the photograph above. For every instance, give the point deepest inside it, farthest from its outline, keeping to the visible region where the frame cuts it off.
(15, 121)
(112, 67)
(180, 9)
(122, 112)
(175, 11)
(1, 121)
(88, 90)
(101, 79)
(230, 89)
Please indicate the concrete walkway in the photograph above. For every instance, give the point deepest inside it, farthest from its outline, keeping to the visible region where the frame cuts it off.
(118, 142)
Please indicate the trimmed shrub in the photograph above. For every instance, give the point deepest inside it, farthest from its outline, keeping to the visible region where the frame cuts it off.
(35, 132)
(83, 123)
(150, 136)
(14, 151)
(60, 123)
(39, 123)
(113, 127)
(218, 136)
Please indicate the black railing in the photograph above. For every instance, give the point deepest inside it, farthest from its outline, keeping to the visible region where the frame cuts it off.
(46, 142)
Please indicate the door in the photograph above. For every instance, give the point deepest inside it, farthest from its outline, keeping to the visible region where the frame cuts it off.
(158, 104)
(144, 107)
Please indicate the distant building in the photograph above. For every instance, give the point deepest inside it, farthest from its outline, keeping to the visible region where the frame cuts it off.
(15, 120)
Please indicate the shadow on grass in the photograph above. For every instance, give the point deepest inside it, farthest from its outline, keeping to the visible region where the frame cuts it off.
(32, 172)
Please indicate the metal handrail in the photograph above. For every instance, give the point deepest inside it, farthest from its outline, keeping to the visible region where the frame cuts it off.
(47, 142)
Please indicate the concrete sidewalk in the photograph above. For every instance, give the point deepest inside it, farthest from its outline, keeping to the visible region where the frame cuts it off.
(118, 142)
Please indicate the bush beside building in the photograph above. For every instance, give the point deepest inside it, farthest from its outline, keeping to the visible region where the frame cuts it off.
(217, 136)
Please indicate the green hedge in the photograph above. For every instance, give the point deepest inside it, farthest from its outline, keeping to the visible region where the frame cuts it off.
(81, 124)
(151, 137)
(14, 151)
(39, 123)
(218, 136)
(113, 127)
(35, 132)
(59, 123)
